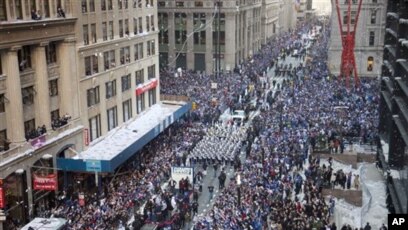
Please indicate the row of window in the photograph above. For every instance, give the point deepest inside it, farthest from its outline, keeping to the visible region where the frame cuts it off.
(16, 8)
(24, 56)
(90, 31)
(89, 5)
(112, 114)
(109, 57)
(353, 15)
(93, 97)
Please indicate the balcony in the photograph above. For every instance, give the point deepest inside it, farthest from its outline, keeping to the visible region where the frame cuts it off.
(27, 148)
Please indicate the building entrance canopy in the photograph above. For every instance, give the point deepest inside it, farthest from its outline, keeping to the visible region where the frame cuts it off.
(123, 142)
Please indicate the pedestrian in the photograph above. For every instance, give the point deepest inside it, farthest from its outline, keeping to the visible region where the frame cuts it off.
(211, 192)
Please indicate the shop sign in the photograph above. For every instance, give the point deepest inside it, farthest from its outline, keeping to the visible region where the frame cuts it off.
(86, 137)
(145, 87)
(93, 166)
(48, 182)
(2, 198)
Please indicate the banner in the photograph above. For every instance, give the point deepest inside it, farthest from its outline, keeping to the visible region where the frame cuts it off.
(48, 182)
(39, 141)
(178, 173)
(2, 198)
(145, 87)
(86, 137)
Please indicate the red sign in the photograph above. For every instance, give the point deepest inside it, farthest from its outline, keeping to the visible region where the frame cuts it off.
(2, 198)
(148, 86)
(48, 182)
(86, 137)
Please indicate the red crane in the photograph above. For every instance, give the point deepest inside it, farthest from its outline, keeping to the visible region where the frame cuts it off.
(348, 60)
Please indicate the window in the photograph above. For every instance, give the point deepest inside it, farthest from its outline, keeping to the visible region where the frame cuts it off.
(24, 58)
(124, 55)
(199, 22)
(53, 87)
(3, 10)
(2, 102)
(18, 9)
(147, 23)
(109, 59)
(126, 27)
(91, 65)
(150, 48)
(180, 23)
(126, 82)
(110, 5)
(140, 103)
(162, 4)
(352, 15)
(95, 127)
(198, 4)
(84, 6)
(3, 139)
(121, 28)
(112, 118)
(163, 26)
(371, 38)
(91, 5)
(28, 95)
(104, 31)
(135, 26)
(199, 38)
(51, 53)
(85, 34)
(139, 76)
(93, 32)
(152, 97)
(139, 51)
(92, 96)
(46, 6)
(120, 6)
(127, 110)
(152, 22)
(140, 25)
(55, 115)
(126, 3)
(29, 126)
(1, 68)
(179, 4)
(111, 32)
(151, 72)
(370, 64)
(103, 5)
(373, 16)
(110, 89)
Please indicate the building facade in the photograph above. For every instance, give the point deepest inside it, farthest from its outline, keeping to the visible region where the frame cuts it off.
(369, 38)
(117, 54)
(394, 106)
(39, 103)
(288, 15)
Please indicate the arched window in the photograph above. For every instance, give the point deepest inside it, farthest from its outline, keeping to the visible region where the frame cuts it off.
(370, 64)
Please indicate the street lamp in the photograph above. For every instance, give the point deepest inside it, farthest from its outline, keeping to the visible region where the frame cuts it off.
(239, 189)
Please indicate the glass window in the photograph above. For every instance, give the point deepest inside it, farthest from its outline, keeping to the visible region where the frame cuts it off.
(28, 95)
(46, 9)
(198, 4)
(140, 103)
(95, 127)
(371, 38)
(112, 118)
(152, 22)
(85, 34)
(110, 89)
(92, 96)
(19, 9)
(1, 68)
(55, 115)
(179, 4)
(109, 59)
(53, 87)
(93, 32)
(3, 10)
(126, 27)
(124, 55)
(29, 128)
(139, 76)
(135, 26)
(147, 23)
(152, 97)
(121, 28)
(51, 53)
(126, 82)
(151, 72)
(2, 102)
(127, 110)
(91, 5)
(104, 31)
(110, 5)
(24, 58)
(103, 5)
(162, 4)
(84, 6)
(111, 32)
(140, 25)
(370, 64)
(150, 48)
(139, 51)
(91, 65)
(120, 4)
(139, 4)
(373, 16)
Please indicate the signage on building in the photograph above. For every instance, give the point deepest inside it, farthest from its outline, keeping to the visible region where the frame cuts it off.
(48, 182)
(178, 173)
(147, 86)
(2, 195)
(86, 137)
(93, 166)
(38, 142)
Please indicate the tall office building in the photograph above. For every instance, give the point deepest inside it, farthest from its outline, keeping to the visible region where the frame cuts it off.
(369, 37)
(189, 38)
(394, 105)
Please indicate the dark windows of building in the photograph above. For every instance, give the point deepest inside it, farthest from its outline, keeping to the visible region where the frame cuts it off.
(152, 23)
(95, 127)
(111, 31)
(120, 5)
(162, 4)
(139, 4)
(352, 17)
(198, 4)
(371, 38)
(370, 64)
(3, 139)
(126, 3)
(2, 103)
(151, 72)
(51, 53)
(92, 96)
(152, 97)
(140, 25)
(124, 55)
(135, 31)
(84, 6)
(28, 95)
(103, 5)
(3, 10)
(164, 28)
(93, 32)
(24, 58)
(85, 34)
(139, 76)
(29, 127)
(121, 28)
(139, 51)
(199, 25)
(179, 4)
(180, 25)
(147, 23)
(53, 87)
(110, 5)
(112, 118)
(126, 82)
(104, 31)
(127, 110)
(55, 115)
(126, 27)
(151, 48)
(373, 16)
(91, 65)
(140, 103)
(149, 3)
(109, 59)
(1, 68)
(91, 5)
(110, 89)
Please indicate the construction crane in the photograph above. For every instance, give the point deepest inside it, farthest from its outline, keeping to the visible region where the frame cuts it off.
(348, 61)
